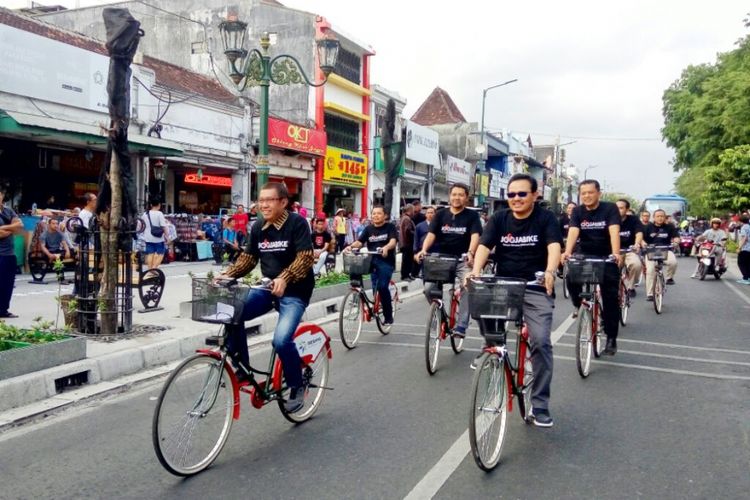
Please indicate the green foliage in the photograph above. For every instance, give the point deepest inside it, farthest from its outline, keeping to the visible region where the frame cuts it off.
(732, 246)
(691, 184)
(40, 332)
(728, 186)
(332, 278)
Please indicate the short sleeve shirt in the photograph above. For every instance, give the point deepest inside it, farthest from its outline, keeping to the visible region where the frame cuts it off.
(158, 220)
(321, 240)
(453, 231)
(53, 241)
(378, 237)
(660, 235)
(745, 231)
(521, 244)
(6, 244)
(240, 222)
(628, 229)
(594, 225)
(276, 249)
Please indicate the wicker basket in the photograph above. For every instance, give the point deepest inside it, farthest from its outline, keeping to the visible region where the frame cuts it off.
(218, 304)
(439, 269)
(357, 264)
(581, 272)
(496, 298)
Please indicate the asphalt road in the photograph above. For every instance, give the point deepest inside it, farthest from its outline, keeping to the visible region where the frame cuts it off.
(667, 417)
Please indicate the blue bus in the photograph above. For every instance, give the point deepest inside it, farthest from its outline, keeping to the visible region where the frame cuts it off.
(672, 204)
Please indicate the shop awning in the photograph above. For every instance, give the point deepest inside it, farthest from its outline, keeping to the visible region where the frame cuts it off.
(47, 129)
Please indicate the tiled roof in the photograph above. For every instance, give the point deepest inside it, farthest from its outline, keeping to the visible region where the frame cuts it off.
(167, 75)
(438, 109)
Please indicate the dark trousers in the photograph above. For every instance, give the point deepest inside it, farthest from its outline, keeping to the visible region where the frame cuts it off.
(743, 261)
(7, 279)
(407, 262)
(610, 302)
(340, 242)
(380, 276)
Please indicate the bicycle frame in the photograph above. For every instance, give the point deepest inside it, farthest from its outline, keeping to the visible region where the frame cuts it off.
(591, 298)
(445, 317)
(515, 384)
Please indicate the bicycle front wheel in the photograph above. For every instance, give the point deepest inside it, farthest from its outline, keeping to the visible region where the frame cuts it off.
(583, 341)
(432, 338)
(488, 416)
(658, 293)
(193, 415)
(350, 319)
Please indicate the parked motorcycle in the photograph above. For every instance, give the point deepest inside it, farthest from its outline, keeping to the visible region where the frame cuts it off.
(711, 260)
(686, 244)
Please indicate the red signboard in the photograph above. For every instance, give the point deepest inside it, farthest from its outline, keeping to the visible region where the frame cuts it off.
(208, 180)
(287, 135)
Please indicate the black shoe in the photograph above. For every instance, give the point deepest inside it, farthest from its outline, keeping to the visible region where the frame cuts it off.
(8, 314)
(542, 418)
(670, 281)
(575, 314)
(296, 399)
(631, 292)
(650, 298)
(611, 348)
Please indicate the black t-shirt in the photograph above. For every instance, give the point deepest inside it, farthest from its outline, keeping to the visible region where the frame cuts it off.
(659, 235)
(418, 217)
(594, 225)
(277, 248)
(453, 232)
(628, 229)
(521, 244)
(320, 240)
(378, 237)
(564, 225)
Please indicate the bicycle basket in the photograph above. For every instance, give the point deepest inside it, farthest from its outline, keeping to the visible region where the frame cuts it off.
(496, 298)
(581, 272)
(217, 304)
(439, 269)
(656, 254)
(357, 264)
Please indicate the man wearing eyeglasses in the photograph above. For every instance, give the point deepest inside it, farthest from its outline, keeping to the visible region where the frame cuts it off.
(283, 246)
(596, 225)
(457, 230)
(527, 240)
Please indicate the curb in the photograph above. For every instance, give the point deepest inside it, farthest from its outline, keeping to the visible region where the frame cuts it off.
(29, 396)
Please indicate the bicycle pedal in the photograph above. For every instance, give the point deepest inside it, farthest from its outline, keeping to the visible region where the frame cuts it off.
(215, 340)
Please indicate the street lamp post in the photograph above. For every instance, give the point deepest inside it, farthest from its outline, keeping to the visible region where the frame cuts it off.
(586, 170)
(260, 69)
(483, 147)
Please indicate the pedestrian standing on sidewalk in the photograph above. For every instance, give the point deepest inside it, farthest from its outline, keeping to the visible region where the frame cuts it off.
(406, 242)
(154, 234)
(339, 228)
(241, 218)
(418, 217)
(743, 256)
(10, 225)
(87, 212)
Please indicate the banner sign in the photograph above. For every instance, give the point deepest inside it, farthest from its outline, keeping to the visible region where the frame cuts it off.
(345, 168)
(482, 184)
(287, 135)
(208, 180)
(496, 184)
(458, 170)
(422, 144)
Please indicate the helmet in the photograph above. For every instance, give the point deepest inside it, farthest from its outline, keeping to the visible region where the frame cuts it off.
(715, 220)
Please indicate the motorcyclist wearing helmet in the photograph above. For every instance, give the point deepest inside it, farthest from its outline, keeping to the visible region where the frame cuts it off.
(718, 237)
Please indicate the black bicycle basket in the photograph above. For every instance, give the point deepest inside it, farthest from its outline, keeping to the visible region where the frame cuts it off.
(218, 304)
(436, 268)
(581, 272)
(357, 264)
(496, 298)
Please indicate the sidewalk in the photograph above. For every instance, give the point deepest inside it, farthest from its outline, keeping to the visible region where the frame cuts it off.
(114, 366)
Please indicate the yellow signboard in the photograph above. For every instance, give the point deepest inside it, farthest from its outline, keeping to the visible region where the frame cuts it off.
(346, 168)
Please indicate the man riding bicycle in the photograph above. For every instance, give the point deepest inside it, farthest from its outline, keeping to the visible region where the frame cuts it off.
(595, 224)
(456, 230)
(526, 240)
(718, 237)
(631, 235)
(380, 236)
(282, 245)
(660, 233)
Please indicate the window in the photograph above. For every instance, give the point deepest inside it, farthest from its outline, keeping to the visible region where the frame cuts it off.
(348, 65)
(342, 133)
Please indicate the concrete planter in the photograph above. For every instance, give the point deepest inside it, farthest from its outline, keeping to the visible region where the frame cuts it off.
(35, 357)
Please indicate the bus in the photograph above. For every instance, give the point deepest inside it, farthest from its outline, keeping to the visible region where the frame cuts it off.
(672, 204)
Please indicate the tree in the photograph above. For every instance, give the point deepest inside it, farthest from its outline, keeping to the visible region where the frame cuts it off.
(728, 187)
(691, 184)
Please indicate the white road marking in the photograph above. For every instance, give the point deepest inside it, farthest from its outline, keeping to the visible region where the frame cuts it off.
(431, 483)
(677, 346)
(737, 291)
(672, 356)
(664, 370)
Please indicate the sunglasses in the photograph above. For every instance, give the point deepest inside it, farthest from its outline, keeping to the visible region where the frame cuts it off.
(520, 194)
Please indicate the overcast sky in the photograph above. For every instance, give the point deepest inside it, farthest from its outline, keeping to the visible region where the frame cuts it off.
(589, 71)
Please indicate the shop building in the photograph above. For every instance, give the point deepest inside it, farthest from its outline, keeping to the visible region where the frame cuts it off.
(378, 107)
(422, 160)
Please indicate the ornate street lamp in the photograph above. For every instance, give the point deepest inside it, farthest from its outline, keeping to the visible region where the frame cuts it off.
(260, 69)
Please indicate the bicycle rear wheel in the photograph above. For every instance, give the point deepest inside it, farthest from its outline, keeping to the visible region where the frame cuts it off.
(432, 338)
(566, 292)
(488, 416)
(315, 376)
(583, 341)
(598, 337)
(350, 319)
(528, 380)
(193, 415)
(395, 299)
(457, 343)
(658, 293)
(624, 304)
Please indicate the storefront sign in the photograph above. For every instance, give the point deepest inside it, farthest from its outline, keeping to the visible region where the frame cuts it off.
(482, 184)
(458, 170)
(496, 184)
(208, 180)
(422, 144)
(290, 136)
(346, 168)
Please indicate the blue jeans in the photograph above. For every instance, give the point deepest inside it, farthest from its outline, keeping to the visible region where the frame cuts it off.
(380, 275)
(291, 309)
